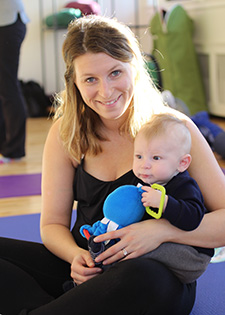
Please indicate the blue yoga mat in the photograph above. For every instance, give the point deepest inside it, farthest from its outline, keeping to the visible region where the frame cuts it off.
(210, 298)
(24, 227)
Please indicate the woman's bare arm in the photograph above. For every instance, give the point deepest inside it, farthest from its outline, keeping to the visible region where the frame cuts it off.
(57, 197)
(206, 171)
(210, 233)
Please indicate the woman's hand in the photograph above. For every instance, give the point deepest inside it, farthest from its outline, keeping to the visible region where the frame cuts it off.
(135, 240)
(83, 267)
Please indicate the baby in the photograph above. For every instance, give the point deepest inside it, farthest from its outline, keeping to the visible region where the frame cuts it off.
(162, 156)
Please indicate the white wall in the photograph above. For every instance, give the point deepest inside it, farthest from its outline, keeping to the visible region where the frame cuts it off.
(34, 66)
(30, 57)
(45, 70)
(132, 12)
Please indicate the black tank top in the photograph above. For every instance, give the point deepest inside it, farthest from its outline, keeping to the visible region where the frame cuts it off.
(90, 193)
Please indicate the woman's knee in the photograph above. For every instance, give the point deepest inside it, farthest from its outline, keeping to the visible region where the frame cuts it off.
(148, 285)
(133, 272)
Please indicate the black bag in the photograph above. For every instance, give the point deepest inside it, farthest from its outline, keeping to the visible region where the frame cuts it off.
(37, 102)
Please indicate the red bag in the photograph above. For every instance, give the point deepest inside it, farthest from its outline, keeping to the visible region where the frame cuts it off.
(87, 7)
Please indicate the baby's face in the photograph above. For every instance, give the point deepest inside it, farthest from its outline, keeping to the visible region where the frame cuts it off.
(156, 160)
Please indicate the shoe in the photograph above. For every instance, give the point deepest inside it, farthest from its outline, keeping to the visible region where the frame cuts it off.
(219, 255)
(6, 160)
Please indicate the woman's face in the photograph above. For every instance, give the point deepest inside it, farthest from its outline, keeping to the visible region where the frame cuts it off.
(105, 84)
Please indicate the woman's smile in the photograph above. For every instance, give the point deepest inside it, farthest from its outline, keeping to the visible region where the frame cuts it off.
(109, 103)
(106, 84)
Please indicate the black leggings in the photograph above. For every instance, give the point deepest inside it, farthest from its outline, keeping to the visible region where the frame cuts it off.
(12, 105)
(32, 278)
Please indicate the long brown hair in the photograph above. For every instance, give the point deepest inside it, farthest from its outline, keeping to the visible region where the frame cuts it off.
(80, 130)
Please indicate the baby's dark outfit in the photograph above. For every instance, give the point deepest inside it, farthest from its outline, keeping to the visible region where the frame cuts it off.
(185, 210)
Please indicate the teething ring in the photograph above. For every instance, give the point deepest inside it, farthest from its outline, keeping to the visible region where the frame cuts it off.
(157, 215)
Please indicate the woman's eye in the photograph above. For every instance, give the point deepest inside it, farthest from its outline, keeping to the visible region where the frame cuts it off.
(116, 73)
(90, 80)
(156, 158)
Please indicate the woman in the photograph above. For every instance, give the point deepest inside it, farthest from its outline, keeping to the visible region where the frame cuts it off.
(88, 153)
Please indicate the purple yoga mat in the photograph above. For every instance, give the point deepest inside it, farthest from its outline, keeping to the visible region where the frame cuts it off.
(20, 185)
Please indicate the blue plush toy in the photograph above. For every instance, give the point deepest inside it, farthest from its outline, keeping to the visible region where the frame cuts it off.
(121, 208)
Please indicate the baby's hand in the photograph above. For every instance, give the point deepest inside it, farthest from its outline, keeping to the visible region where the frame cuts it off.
(151, 197)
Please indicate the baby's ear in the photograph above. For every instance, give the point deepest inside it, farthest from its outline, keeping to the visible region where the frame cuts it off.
(185, 161)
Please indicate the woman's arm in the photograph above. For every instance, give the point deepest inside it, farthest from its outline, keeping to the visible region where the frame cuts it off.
(143, 237)
(210, 233)
(206, 171)
(57, 197)
(211, 180)
(57, 202)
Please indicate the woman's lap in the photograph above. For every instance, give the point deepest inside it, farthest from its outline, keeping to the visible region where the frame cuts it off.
(33, 258)
(135, 286)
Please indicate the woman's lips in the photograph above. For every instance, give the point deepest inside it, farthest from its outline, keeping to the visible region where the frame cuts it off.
(110, 102)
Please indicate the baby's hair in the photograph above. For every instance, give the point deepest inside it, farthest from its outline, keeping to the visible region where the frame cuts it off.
(168, 124)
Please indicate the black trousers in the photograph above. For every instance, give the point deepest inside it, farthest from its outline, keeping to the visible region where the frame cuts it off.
(32, 278)
(12, 106)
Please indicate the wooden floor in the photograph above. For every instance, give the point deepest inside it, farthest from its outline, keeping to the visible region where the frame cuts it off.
(37, 129)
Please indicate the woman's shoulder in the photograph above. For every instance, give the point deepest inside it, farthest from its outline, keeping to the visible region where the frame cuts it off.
(53, 136)
(54, 144)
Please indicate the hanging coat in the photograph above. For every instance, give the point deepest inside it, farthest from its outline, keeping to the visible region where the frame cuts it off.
(175, 53)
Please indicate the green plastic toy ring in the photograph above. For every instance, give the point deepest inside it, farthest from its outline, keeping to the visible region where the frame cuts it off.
(157, 215)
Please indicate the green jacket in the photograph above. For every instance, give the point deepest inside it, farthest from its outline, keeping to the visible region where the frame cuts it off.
(175, 53)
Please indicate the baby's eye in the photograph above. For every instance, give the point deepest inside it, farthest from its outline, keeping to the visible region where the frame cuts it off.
(138, 156)
(156, 158)
(116, 73)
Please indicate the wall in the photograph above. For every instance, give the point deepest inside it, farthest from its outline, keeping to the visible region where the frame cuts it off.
(41, 51)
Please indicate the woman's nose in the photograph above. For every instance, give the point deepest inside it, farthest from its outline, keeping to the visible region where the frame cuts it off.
(105, 89)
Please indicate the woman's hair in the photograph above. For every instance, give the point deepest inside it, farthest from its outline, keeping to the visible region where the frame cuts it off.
(165, 124)
(79, 127)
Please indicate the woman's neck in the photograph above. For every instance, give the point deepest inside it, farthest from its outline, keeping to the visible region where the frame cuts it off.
(114, 125)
